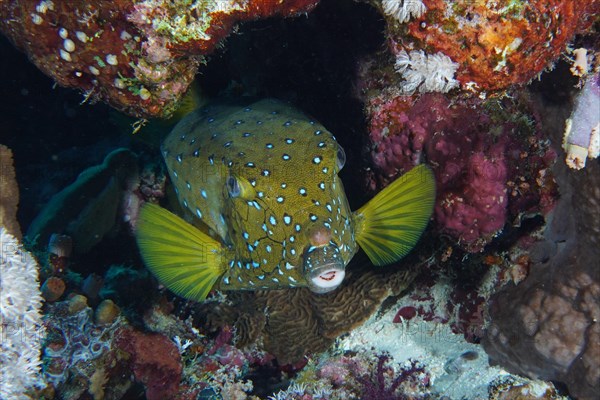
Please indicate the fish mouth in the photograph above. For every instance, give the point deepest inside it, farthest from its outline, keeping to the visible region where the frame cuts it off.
(324, 268)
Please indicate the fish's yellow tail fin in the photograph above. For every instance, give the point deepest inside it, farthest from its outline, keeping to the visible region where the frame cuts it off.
(390, 224)
(183, 258)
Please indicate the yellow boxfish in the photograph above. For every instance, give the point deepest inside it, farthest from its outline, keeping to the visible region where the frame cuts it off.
(265, 208)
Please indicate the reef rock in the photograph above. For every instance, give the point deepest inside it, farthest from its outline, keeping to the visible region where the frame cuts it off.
(547, 326)
(139, 56)
(480, 45)
(87, 209)
(9, 193)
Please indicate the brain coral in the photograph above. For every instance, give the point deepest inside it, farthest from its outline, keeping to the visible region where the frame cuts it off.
(295, 322)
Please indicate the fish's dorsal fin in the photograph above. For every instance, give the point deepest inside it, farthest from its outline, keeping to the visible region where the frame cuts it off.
(184, 259)
(390, 224)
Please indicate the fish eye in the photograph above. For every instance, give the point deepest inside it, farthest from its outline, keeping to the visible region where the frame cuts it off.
(341, 157)
(233, 186)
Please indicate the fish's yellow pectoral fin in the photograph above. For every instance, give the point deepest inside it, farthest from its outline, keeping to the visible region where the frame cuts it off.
(183, 258)
(390, 224)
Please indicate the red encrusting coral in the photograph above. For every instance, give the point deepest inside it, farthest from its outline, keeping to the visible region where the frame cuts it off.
(489, 158)
(139, 56)
(495, 44)
(155, 361)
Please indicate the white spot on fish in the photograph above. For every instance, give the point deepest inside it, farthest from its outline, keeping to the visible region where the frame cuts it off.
(66, 56)
(69, 45)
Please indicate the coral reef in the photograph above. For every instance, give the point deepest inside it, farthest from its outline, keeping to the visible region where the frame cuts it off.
(9, 193)
(155, 361)
(87, 210)
(408, 331)
(489, 158)
(299, 322)
(79, 355)
(21, 320)
(139, 56)
(547, 326)
(494, 44)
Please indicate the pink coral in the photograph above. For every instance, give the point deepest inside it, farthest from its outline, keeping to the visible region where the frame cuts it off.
(478, 151)
(155, 362)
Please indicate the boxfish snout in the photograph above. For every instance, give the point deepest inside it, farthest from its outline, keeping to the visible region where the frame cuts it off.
(324, 267)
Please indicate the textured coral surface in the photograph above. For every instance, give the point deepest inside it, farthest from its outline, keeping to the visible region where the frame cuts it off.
(300, 322)
(489, 159)
(155, 361)
(496, 44)
(9, 193)
(547, 326)
(139, 56)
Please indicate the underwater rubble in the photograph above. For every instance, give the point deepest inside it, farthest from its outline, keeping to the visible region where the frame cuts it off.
(500, 298)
